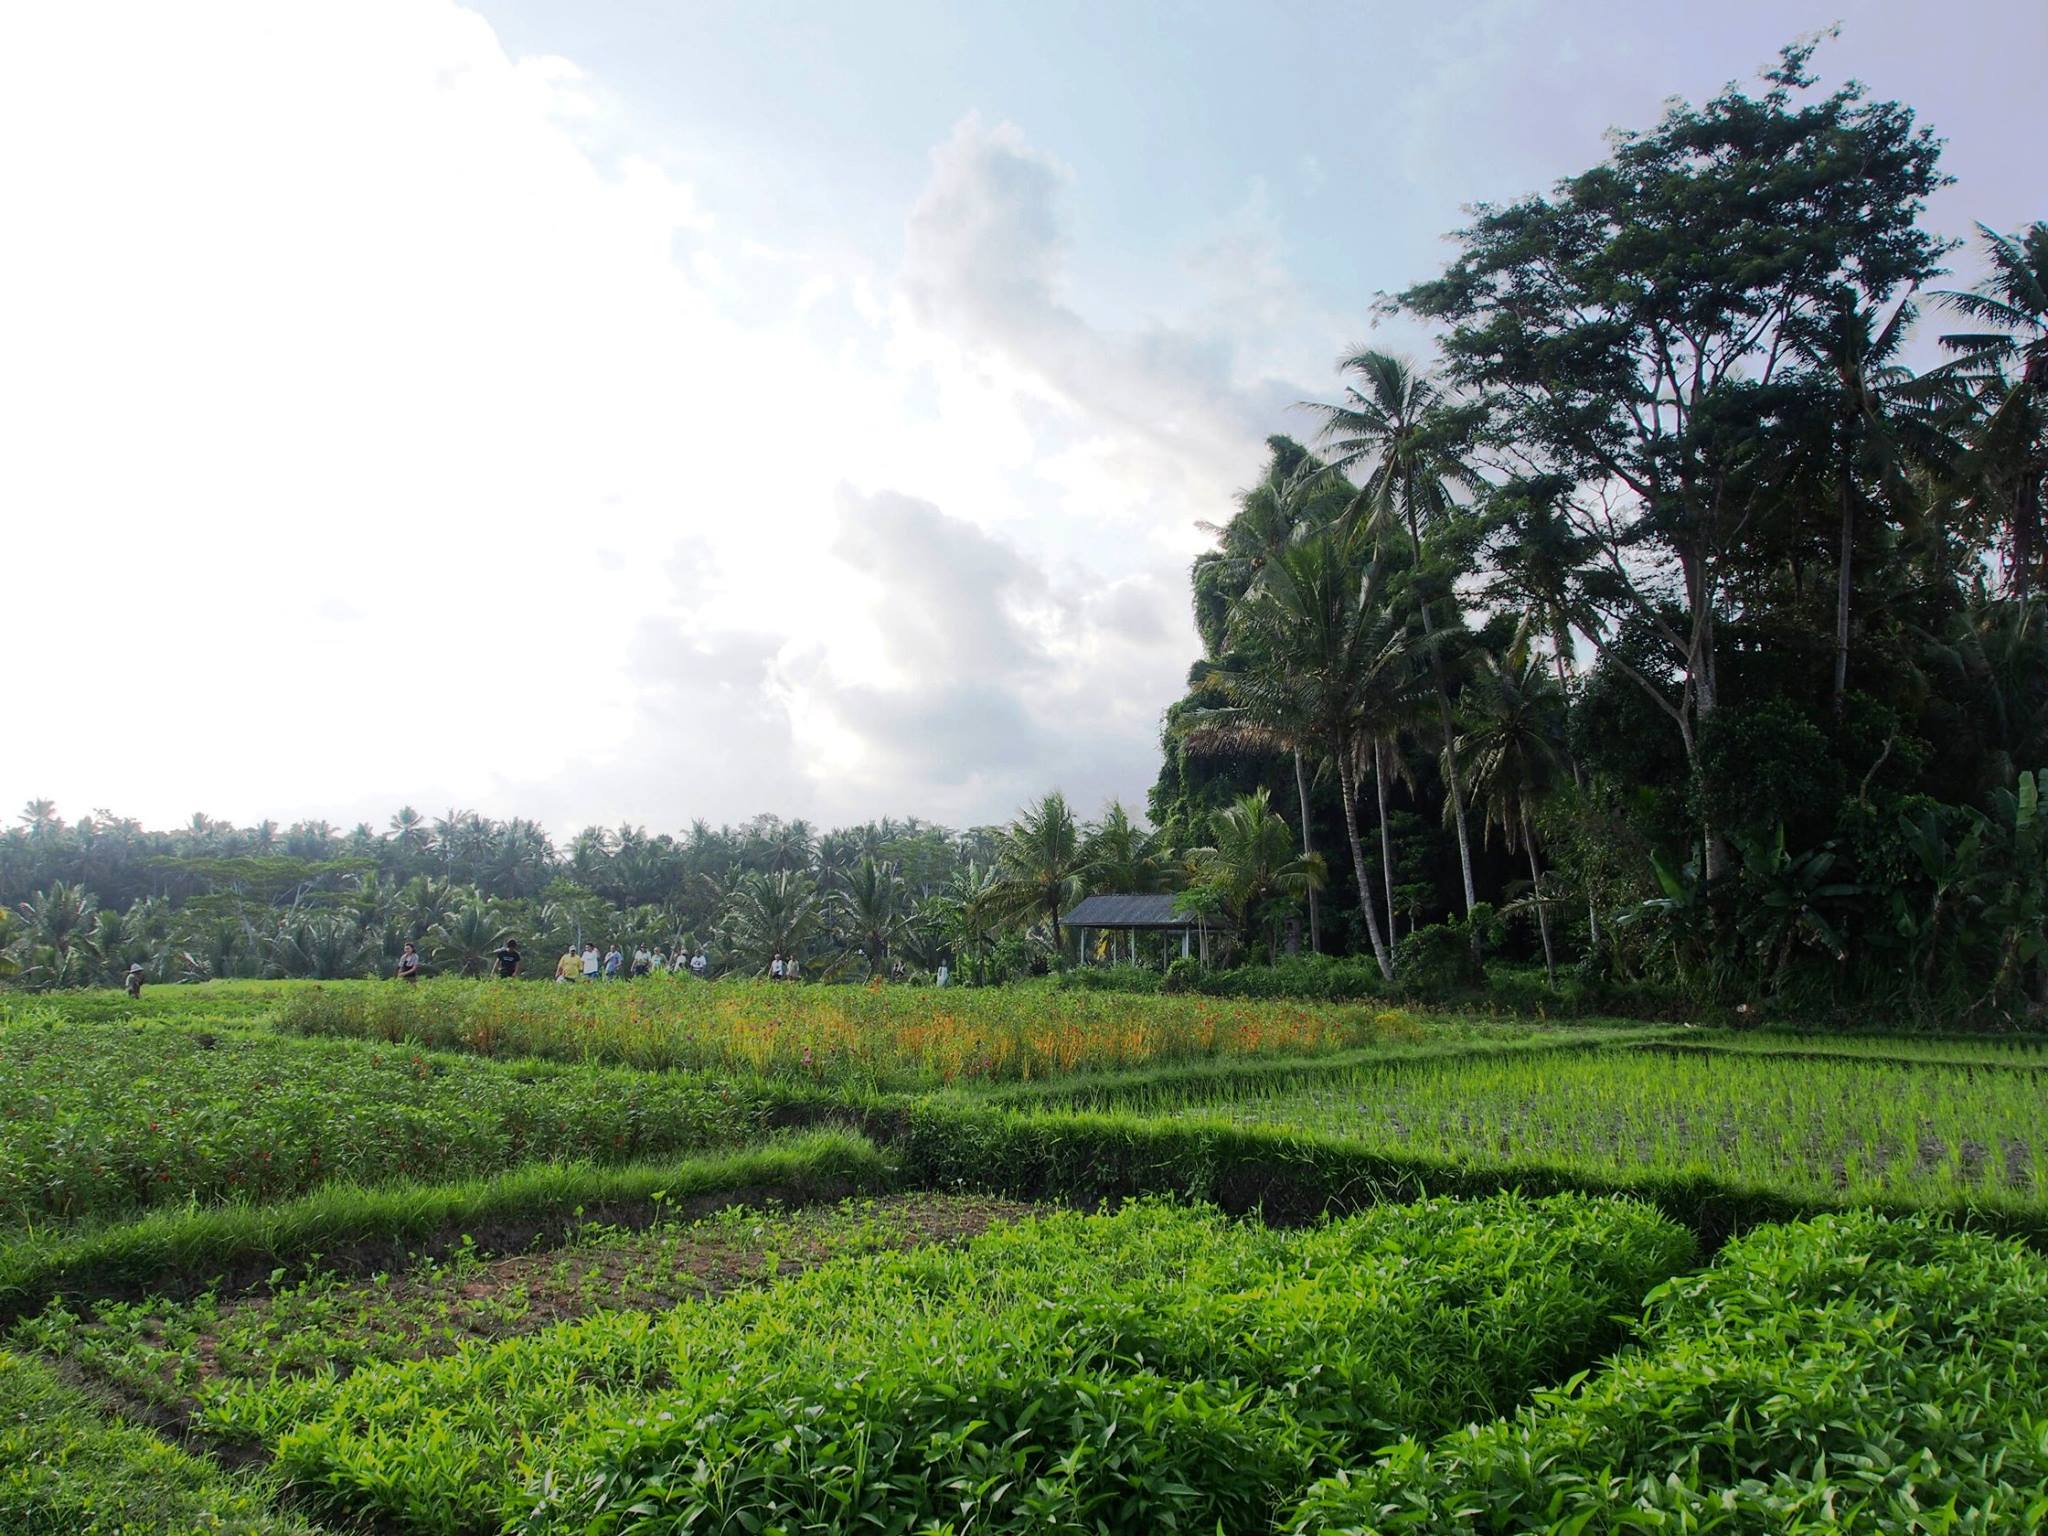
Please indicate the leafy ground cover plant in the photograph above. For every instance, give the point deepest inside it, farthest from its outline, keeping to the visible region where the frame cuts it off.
(891, 1037)
(66, 1471)
(347, 1228)
(1835, 1130)
(1848, 1374)
(175, 1359)
(1159, 1368)
(100, 1120)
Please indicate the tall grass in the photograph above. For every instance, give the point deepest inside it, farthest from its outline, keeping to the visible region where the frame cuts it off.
(891, 1037)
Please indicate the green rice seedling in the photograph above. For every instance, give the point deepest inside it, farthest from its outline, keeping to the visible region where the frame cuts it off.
(1852, 1373)
(1159, 1368)
(1834, 1131)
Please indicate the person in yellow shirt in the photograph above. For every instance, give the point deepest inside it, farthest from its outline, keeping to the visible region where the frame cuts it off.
(569, 967)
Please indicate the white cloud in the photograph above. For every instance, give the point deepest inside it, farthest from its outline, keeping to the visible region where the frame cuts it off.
(384, 424)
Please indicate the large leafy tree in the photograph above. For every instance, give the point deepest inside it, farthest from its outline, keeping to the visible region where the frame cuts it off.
(1621, 333)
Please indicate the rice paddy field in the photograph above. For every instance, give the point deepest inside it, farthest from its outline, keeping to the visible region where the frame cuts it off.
(687, 1257)
(1842, 1126)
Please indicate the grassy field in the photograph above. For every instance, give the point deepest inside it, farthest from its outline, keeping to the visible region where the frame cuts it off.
(478, 1258)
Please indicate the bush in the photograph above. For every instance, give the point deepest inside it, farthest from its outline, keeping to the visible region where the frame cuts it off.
(1852, 1373)
(1156, 1369)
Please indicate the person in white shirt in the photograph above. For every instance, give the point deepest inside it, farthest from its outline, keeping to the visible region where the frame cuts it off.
(591, 961)
(944, 974)
(775, 967)
(789, 970)
(699, 963)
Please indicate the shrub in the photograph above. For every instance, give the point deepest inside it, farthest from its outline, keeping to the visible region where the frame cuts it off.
(1155, 1369)
(1848, 1374)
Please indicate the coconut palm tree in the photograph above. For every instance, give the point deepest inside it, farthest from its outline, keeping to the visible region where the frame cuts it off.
(1327, 660)
(1125, 856)
(773, 914)
(1512, 743)
(2006, 369)
(466, 937)
(873, 912)
(1045, 864)
(1253, 866)
(1404, 432)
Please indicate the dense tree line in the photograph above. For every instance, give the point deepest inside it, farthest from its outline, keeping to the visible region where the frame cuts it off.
(1668, 614)
(85, 900)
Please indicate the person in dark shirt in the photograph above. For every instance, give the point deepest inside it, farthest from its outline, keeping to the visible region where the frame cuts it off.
(508, 958)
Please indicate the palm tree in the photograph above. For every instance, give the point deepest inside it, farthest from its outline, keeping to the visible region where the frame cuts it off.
(1124, 855)
(1045, 863)
(1328, 659)
(1878, 432)
(1253, 866)
(773, 914)
(466, 937)
(1512, 741)
(873, 912)
(967, 913)
(2006, 367)
(1400, 426)
(409, 828)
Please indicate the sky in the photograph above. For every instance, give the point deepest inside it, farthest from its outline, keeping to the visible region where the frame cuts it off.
(628, 412)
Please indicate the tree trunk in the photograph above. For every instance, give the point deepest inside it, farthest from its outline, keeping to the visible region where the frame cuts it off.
(1842, 592)
(1379, 778)
(1452, 786)
(1559, 642)
(1315, 941)
(1348, 784)
(1536, 895)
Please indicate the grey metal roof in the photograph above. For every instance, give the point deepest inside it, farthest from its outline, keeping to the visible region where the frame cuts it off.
(1154, 911)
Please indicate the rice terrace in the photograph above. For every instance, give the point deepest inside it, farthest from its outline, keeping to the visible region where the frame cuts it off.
(1471, 956)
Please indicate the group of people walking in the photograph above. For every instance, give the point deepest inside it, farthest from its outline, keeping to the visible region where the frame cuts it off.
(587, 964)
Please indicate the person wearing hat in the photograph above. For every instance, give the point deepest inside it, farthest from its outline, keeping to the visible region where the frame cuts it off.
(133, 980)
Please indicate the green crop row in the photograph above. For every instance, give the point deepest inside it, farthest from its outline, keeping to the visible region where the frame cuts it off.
(105, 1120)
(1848, 1374)
(1840, 1131)
(349, 1227)
(1156, 1369)
(1292, 1175)
(67, 1471)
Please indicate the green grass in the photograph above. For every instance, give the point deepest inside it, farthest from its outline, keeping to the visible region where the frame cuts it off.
(1156, 1369)
(66, 1471)
(99, 1120)
(1833, 1131)
(187, 1251)
(1849, 1374)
